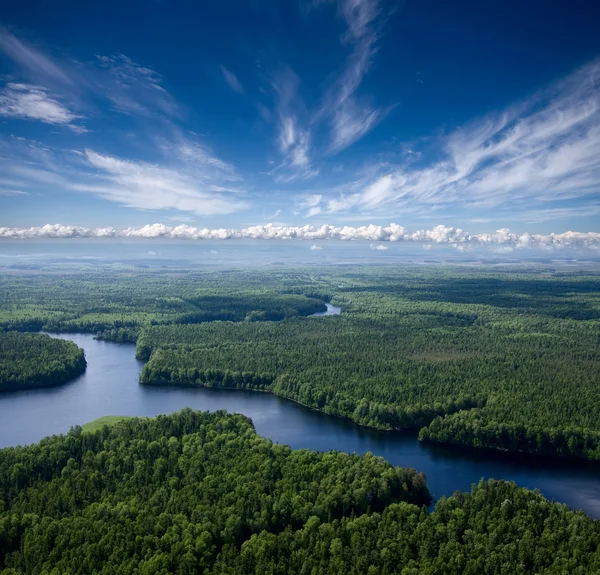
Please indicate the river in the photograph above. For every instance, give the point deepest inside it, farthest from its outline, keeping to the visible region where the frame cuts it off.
(110, 387)
(331, 310)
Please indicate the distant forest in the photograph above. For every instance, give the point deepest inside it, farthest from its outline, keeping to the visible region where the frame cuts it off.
(505, 360)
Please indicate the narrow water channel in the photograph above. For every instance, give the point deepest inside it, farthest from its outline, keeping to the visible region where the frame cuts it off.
(110, 387)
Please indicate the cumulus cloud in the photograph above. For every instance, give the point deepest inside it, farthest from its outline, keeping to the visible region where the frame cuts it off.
(441, 235)
(316, 247)
(378, 247)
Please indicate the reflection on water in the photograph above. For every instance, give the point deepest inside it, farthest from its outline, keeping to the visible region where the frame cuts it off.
(109, 387)
(331, 310)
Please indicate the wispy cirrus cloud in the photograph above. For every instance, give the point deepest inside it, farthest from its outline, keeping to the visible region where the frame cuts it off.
(310, 203)
(293, 137)
(183, 173)
(195, 154)
(129, 87)
(538, 152)
(134, 89)
(232, 80)
(204, 188)
(151, 187)
(27, 102)
(351, 116)
(31, 59)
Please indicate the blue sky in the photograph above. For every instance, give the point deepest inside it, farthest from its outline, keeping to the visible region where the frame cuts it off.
(473, 115)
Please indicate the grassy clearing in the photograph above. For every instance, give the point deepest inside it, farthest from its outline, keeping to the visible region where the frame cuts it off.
(99, 423)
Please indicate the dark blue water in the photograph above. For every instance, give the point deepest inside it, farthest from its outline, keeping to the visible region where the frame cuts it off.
(110, 387)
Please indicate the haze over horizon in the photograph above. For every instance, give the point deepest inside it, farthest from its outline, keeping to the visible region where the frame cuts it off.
(347, 119)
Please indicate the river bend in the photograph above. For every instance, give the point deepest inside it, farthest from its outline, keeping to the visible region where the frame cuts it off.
(110, 387)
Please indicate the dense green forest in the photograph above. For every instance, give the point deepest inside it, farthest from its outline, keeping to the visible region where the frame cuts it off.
(505, 360)
(115, 305)
(201, 492)
(36, 360)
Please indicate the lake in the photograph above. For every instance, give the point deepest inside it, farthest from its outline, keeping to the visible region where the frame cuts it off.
(110, 387)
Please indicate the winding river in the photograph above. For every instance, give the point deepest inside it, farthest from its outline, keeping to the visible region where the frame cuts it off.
(110, 387)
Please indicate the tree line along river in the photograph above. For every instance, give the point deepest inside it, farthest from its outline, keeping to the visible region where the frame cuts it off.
(110, 387)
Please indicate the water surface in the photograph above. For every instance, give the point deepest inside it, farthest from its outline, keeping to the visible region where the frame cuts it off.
(331, 310)
(110, 387)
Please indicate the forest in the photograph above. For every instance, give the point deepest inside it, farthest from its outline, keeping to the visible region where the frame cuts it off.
(115, 305)
(202, 492)
(36, 360)
(472, 356)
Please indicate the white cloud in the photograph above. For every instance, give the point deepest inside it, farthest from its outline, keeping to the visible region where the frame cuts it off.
(130, 87)
(378, 247)
(196, 154)
(311, 203)
(350, 123)
(546, 149)
(293, 137)
(202, 186)
(28, 102)
(352, 117)
(232, 80)
(316, 247)
(454, 237)
(189, 177)
(133, 88)
(463, 247)
(147, 186)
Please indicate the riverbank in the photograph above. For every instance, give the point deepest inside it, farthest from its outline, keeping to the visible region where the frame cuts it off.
(109, 386)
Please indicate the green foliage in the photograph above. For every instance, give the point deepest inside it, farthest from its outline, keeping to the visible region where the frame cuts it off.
(497, 529)
(492, 359)
(36, 360)
(175, 494)
(201, 492)
(116, 305)
(500, 361)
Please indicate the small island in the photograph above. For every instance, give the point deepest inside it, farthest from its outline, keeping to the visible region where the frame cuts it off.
(30, 360)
